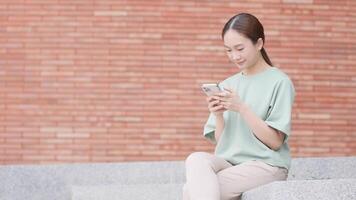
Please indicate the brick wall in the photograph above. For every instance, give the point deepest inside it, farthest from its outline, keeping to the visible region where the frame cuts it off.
(117, 80)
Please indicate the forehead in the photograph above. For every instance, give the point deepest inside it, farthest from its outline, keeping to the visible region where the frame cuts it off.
(232, 38)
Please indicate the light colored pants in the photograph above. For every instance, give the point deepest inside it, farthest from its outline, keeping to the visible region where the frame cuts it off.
(212, 178)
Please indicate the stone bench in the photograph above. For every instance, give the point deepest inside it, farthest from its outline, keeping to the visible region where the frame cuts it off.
(330, 189)
(159, 180)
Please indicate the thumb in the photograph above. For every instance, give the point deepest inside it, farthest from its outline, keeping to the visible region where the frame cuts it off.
(228, 89)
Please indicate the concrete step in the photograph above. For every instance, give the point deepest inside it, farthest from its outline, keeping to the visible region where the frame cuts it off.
(322, 168)
(42, 182)
(340, 189)
(128, 192)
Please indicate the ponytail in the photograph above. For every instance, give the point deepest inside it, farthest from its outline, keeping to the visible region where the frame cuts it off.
(265, 56)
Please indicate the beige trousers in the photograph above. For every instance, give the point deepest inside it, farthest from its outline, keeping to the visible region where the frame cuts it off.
(212, 178)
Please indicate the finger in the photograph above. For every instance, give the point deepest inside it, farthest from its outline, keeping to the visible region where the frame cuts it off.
(210, 99)
(229, 95)
(216, 108)
(221, 110)
(213, 103)
(221, 95)
(225, 104)
(228, 90)
(213, 97)
(225, 99)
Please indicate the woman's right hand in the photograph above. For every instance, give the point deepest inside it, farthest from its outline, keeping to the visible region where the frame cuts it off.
(214, 105)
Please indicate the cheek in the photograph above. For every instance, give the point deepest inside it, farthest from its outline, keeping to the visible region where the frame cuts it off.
(250, 54)
(229, 55)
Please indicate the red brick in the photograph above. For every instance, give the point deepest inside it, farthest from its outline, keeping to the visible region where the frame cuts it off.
(120, 81)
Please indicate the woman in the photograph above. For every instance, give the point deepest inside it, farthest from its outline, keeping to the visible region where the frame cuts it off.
(249, 122)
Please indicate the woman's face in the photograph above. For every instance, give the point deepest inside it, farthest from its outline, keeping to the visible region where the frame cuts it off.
(240, 50)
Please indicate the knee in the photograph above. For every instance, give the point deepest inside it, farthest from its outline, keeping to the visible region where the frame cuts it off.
(196, 157)
(228, 190)
(227, 194)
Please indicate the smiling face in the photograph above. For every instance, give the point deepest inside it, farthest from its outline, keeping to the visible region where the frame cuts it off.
(241, 51)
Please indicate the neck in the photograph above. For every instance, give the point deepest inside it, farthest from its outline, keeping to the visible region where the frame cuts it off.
(259, 66)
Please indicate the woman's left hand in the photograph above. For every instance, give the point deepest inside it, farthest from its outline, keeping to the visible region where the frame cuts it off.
(230, 100)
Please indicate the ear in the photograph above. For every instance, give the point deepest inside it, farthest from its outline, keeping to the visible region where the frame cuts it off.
(259, 44)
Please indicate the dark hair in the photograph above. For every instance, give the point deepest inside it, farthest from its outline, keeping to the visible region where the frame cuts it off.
(249, 26)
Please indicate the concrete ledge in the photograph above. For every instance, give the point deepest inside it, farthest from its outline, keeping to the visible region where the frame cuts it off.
(322, 168)
(341, 189)
(129, 192)
(43, 182)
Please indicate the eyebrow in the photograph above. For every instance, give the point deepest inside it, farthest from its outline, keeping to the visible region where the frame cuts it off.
(236, 45)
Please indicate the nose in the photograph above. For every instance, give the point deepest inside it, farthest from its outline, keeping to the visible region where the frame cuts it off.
(235, 56)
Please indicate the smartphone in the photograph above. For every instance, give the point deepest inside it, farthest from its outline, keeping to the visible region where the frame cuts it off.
(211, 88)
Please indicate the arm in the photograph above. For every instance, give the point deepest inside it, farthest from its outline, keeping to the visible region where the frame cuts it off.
(220, 124)
(267, 135)
(217, 110)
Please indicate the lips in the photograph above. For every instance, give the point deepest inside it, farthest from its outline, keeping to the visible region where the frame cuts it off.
(240, 63)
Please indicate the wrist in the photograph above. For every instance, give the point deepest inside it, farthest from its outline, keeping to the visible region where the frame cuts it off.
(219, 115)
(220, 119)
(241, 107)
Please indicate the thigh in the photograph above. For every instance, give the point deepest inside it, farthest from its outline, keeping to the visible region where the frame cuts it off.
(201, 172)
(199, 159)
(240, 178)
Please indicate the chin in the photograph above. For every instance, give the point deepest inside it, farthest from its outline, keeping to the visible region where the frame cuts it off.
(241, 67)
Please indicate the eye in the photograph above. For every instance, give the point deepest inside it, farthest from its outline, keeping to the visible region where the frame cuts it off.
(228, 50)
(240, 49)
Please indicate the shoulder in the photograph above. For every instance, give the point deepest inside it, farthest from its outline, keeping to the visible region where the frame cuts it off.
(283, 82)
(279, 74)
(231, 79)
(280, 77)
